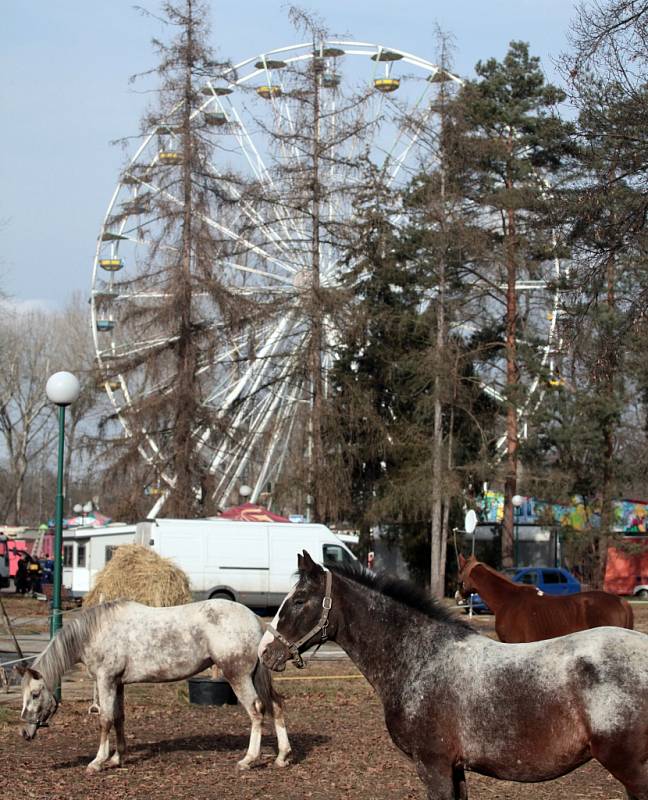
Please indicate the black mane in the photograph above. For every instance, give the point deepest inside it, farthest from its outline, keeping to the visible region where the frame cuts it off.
(404, 592)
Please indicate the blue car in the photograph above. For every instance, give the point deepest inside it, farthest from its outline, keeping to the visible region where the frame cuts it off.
(550, 580)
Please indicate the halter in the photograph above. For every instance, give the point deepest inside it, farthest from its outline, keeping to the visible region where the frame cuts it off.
(321, 625)
(466, 572)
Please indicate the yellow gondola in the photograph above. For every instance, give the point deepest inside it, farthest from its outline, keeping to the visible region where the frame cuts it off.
(386, 85)
(111, 264)
(169, 157)
(268, 92)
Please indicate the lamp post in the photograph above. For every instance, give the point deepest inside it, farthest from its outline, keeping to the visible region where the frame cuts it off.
(83, 510)
(245, 491)
(62, 389)
(517, 501)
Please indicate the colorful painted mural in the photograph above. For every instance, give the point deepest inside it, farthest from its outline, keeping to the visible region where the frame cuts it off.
(630, 516)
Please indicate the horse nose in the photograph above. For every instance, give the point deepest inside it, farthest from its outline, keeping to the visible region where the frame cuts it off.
(274, 656)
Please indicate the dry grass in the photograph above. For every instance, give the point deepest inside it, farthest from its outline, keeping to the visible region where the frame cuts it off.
(137, 573)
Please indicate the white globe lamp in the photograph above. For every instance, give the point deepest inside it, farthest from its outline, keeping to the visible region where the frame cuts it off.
(63, 388)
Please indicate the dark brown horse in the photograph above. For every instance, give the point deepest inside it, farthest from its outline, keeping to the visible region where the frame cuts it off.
(523, 614)
(457, 701)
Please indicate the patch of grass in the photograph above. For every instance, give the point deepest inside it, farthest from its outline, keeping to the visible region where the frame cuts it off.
(7, 716)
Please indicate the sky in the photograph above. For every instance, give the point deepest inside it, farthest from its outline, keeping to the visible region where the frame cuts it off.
(65, 96)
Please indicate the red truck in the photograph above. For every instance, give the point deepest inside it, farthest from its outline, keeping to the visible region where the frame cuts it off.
(627, 568)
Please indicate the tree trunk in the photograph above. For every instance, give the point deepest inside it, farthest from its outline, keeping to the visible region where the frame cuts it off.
(609, 363)
(316, 489)
(183, 495)
(512, 381)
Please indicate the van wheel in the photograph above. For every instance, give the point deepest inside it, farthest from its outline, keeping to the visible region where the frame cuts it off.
(642, 594)
(221, 596)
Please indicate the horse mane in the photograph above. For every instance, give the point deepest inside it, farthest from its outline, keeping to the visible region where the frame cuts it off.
(493, 571)
(404, 592)
(66, 648)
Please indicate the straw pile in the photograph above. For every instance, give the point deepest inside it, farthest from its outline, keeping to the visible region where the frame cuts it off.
(137, 573)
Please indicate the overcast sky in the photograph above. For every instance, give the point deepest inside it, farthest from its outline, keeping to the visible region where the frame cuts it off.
(65, 95)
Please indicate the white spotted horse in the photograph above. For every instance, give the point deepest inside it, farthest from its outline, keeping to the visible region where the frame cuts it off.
(125, 642)
(456, 701)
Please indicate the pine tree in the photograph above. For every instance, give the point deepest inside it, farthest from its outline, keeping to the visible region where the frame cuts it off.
(514, 145)
(607, 71)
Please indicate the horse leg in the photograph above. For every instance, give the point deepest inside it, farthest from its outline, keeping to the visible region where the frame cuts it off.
(439, 780)
(120, 749)
(283, 759)
(459, 782)
(106, 689)
(629, 765)
(246, 693)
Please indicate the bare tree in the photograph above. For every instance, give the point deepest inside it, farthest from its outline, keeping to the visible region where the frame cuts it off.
(180, 309)
(25, 411)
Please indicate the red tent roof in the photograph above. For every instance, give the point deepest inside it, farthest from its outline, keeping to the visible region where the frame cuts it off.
(250, 512)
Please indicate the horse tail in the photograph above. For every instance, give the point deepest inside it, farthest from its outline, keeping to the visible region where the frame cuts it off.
(629, 623)
(268, 695)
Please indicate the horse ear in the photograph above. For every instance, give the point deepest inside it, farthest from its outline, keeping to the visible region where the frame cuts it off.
(300, 562)
(462, 561)
(310, 567)
(34, 673)
(20, 669)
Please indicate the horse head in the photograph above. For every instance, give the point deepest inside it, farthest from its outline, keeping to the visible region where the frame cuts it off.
(302, 619)
(39, 703)
(466, 565)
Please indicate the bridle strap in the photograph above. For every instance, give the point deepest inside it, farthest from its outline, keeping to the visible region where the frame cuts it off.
(320, 625)
(465, 572)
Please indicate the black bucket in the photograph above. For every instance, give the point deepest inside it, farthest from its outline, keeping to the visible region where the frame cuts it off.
(211, 692)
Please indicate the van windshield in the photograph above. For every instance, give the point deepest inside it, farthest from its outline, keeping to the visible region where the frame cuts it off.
(335, 554)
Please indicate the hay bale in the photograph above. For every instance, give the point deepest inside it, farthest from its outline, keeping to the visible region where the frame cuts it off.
(137, 573)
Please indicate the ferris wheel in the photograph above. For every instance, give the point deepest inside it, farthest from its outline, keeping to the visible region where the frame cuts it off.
(253, 377)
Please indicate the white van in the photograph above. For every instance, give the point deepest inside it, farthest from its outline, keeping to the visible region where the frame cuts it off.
(251, 562)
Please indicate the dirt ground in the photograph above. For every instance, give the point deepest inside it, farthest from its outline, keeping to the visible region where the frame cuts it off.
(177, 750)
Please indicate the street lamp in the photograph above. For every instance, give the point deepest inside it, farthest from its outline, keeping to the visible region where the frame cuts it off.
(83, 510)
(517, 500)
(62, 389)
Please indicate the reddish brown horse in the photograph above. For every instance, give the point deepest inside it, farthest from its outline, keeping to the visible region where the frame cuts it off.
(523, 614)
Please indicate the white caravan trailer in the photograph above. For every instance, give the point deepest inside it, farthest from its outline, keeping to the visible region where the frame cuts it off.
(86, 551)
(251, 562)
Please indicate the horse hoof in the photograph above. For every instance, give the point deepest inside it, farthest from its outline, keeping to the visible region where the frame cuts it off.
(243, 765)
(282, 762)
(93, 769)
